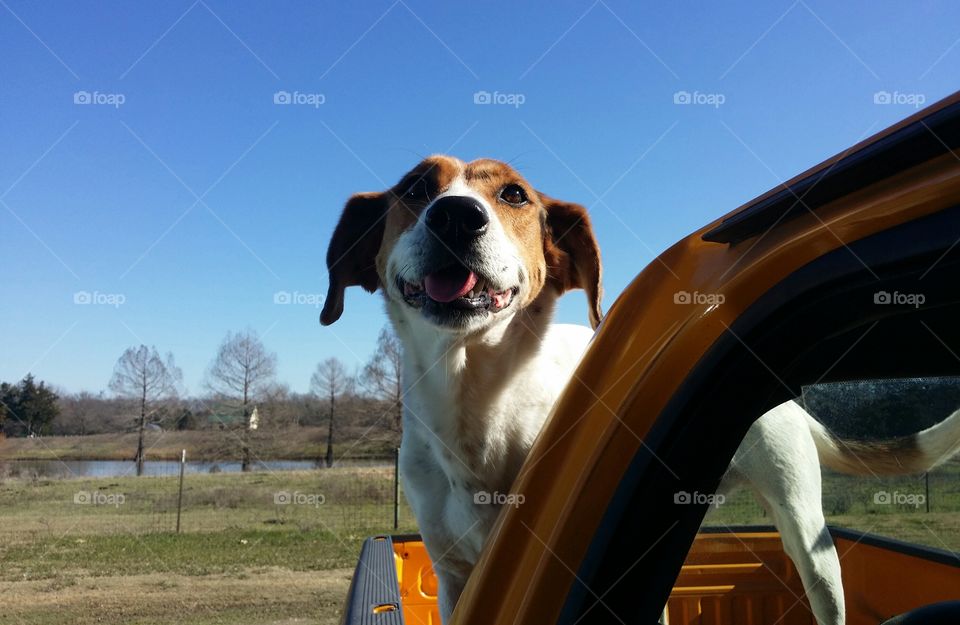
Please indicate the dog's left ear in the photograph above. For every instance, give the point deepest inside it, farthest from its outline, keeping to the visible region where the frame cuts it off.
(572, 253)
(351, 257)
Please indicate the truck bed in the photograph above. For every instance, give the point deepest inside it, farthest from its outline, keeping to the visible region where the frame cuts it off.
(732, 576)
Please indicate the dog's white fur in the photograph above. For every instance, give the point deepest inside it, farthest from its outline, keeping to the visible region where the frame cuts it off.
(439, 480)
(499, 378)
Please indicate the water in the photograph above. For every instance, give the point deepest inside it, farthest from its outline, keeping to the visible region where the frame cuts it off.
(120, 468)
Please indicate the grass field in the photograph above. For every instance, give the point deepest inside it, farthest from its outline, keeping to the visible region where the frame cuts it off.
(242, 557)
(889, 506)
(302, 443)
(278, 548)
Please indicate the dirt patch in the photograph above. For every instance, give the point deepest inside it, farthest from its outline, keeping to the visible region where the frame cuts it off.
(266, 596)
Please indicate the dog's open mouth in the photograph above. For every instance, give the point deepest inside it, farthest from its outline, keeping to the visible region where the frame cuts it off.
(456, 288)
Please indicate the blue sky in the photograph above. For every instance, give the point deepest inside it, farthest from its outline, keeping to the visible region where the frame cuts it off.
(146, 163)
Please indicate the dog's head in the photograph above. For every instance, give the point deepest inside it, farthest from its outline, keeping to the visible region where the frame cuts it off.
(462, 245)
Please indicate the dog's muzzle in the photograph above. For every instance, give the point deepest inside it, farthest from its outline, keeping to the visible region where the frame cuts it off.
(456, 222)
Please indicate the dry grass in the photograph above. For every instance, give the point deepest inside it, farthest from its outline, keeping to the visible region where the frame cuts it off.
(242, 559)
(301, 443)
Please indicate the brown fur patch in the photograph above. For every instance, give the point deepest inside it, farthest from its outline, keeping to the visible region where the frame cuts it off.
(523, 224)
(897, 456)
(355, 242)
(435, 174)
(572, 253)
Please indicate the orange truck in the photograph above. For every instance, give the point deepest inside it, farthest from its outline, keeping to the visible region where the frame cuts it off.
(799, 268)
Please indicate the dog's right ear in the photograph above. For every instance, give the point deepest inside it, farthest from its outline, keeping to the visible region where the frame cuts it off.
(352, 255)
(572, 253)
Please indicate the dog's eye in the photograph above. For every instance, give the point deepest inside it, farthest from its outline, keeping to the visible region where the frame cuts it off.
(514, 194)
(415, 190)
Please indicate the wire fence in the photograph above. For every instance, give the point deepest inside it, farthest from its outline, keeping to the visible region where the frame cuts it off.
(910, 507)
(358, 497)
(354, 498)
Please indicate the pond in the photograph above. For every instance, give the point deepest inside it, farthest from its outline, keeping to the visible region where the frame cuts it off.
(120, 468)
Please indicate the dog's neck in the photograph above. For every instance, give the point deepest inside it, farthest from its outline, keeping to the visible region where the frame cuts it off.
(453, 382)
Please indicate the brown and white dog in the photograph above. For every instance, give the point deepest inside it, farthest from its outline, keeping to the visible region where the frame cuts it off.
(471, 260)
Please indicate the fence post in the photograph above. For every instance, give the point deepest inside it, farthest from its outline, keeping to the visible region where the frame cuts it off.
(183, 461)
(396, 488)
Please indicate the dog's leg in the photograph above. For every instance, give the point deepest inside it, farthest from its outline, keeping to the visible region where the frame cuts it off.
(779, 459)
(808, 543)
(448, 592)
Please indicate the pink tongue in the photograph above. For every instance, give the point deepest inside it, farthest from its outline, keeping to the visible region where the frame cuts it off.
(447, 286)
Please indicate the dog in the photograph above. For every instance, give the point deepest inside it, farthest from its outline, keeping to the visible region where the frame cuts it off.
(471, 260)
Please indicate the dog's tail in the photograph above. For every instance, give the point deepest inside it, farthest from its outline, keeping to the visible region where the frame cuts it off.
(915, 453)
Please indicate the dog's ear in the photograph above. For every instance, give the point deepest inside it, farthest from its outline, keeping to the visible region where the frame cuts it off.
(352, 255)
(572, 253)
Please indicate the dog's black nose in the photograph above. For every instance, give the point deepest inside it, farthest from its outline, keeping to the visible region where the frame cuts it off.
(458, 216)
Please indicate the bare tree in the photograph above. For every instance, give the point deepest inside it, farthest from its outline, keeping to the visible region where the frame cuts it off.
(329, 380)
(242, 372)
(78, 412)
(381, 375)
(141, 374)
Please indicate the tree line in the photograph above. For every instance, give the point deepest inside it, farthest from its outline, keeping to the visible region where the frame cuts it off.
(241, 395)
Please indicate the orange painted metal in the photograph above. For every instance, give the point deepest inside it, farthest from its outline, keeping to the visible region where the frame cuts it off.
(738, 578)
(879, 583)
(418, 584)
(743, 578)
(728, 578)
